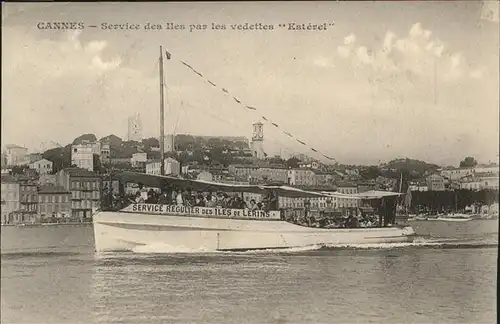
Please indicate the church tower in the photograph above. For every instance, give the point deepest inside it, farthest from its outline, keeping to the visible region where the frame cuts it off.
(257, 144)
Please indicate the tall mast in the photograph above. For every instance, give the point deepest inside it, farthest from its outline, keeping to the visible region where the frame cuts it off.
(162, 116)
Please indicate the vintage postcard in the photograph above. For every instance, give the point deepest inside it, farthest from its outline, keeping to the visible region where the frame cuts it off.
(250, 162)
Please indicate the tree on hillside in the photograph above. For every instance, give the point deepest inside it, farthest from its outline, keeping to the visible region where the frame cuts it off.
(468, 162)
(60, 157)
(85, 137)
(292, 162)
(370, 173)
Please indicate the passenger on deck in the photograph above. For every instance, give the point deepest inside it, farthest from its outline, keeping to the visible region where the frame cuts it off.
(252, 205)
(178, 199)
(352, 222)
(165, 198)
(138, 198)
(151, 197)
(200, 202)
(210, 200)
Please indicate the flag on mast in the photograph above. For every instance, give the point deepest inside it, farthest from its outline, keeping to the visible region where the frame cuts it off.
(168, 55)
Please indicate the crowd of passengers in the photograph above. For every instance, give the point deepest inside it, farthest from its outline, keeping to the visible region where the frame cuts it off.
(190, 198)
(351, 221)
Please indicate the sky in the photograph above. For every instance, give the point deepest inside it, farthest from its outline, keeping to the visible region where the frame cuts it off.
(385, 80)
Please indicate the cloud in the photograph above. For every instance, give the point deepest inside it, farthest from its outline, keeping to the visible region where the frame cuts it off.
(415, 55)
(62, 86)
(324, 62)
(350, 39)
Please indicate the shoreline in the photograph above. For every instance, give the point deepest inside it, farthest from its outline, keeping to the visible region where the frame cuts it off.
(46, 224)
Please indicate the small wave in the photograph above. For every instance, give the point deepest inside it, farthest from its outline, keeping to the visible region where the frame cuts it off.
(279, 250)
(20, 255)
(165, 248)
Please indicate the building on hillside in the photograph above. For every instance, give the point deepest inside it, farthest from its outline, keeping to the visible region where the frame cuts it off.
(113, 141)
(85, 187)
(301, 177)
(456, 174)
(33, 157)
(345, 187)
(488, 181)
(134, 132)
(82, 156)
(172, 167)
(16, 155)
(42, 166)
(324, 178)
(242, 170)
(470, 183)
(139, 159)
(275, 174)
(10, 199)
(168, 143)
(54, 201)
(28, 200)
(47, 179)
(105, 156)
(435, 182)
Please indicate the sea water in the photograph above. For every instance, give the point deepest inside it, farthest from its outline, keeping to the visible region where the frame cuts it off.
(50, 274)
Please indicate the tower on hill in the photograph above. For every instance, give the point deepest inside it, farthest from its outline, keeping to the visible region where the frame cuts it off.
(257, 144)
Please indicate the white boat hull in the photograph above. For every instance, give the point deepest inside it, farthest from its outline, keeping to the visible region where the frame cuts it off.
(124, 231)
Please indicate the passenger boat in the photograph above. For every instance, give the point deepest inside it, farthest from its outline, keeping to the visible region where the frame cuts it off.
(121, 226)
(125, 227)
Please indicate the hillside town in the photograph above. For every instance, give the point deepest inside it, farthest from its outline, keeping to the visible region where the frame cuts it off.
(66, 183)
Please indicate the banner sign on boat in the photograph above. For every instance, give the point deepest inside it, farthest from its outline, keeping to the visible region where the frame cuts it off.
(215, 212)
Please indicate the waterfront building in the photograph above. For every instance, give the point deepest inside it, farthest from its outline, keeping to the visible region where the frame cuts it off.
(470, 183)
(435, 182)
(134, 128)
(139, 159)
(348, 188)
(16, 155)
(456, 173)
(172, 167)
(85, 187)
(28, 200)
(54, 201)
(4, 160)
(489, 181)
(9, 199)
(419, 187)
(42, 166)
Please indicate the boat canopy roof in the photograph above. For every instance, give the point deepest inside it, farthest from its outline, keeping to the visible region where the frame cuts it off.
(156, 181)
(372, 194)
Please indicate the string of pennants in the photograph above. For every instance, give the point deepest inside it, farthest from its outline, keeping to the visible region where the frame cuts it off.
(238, 101)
